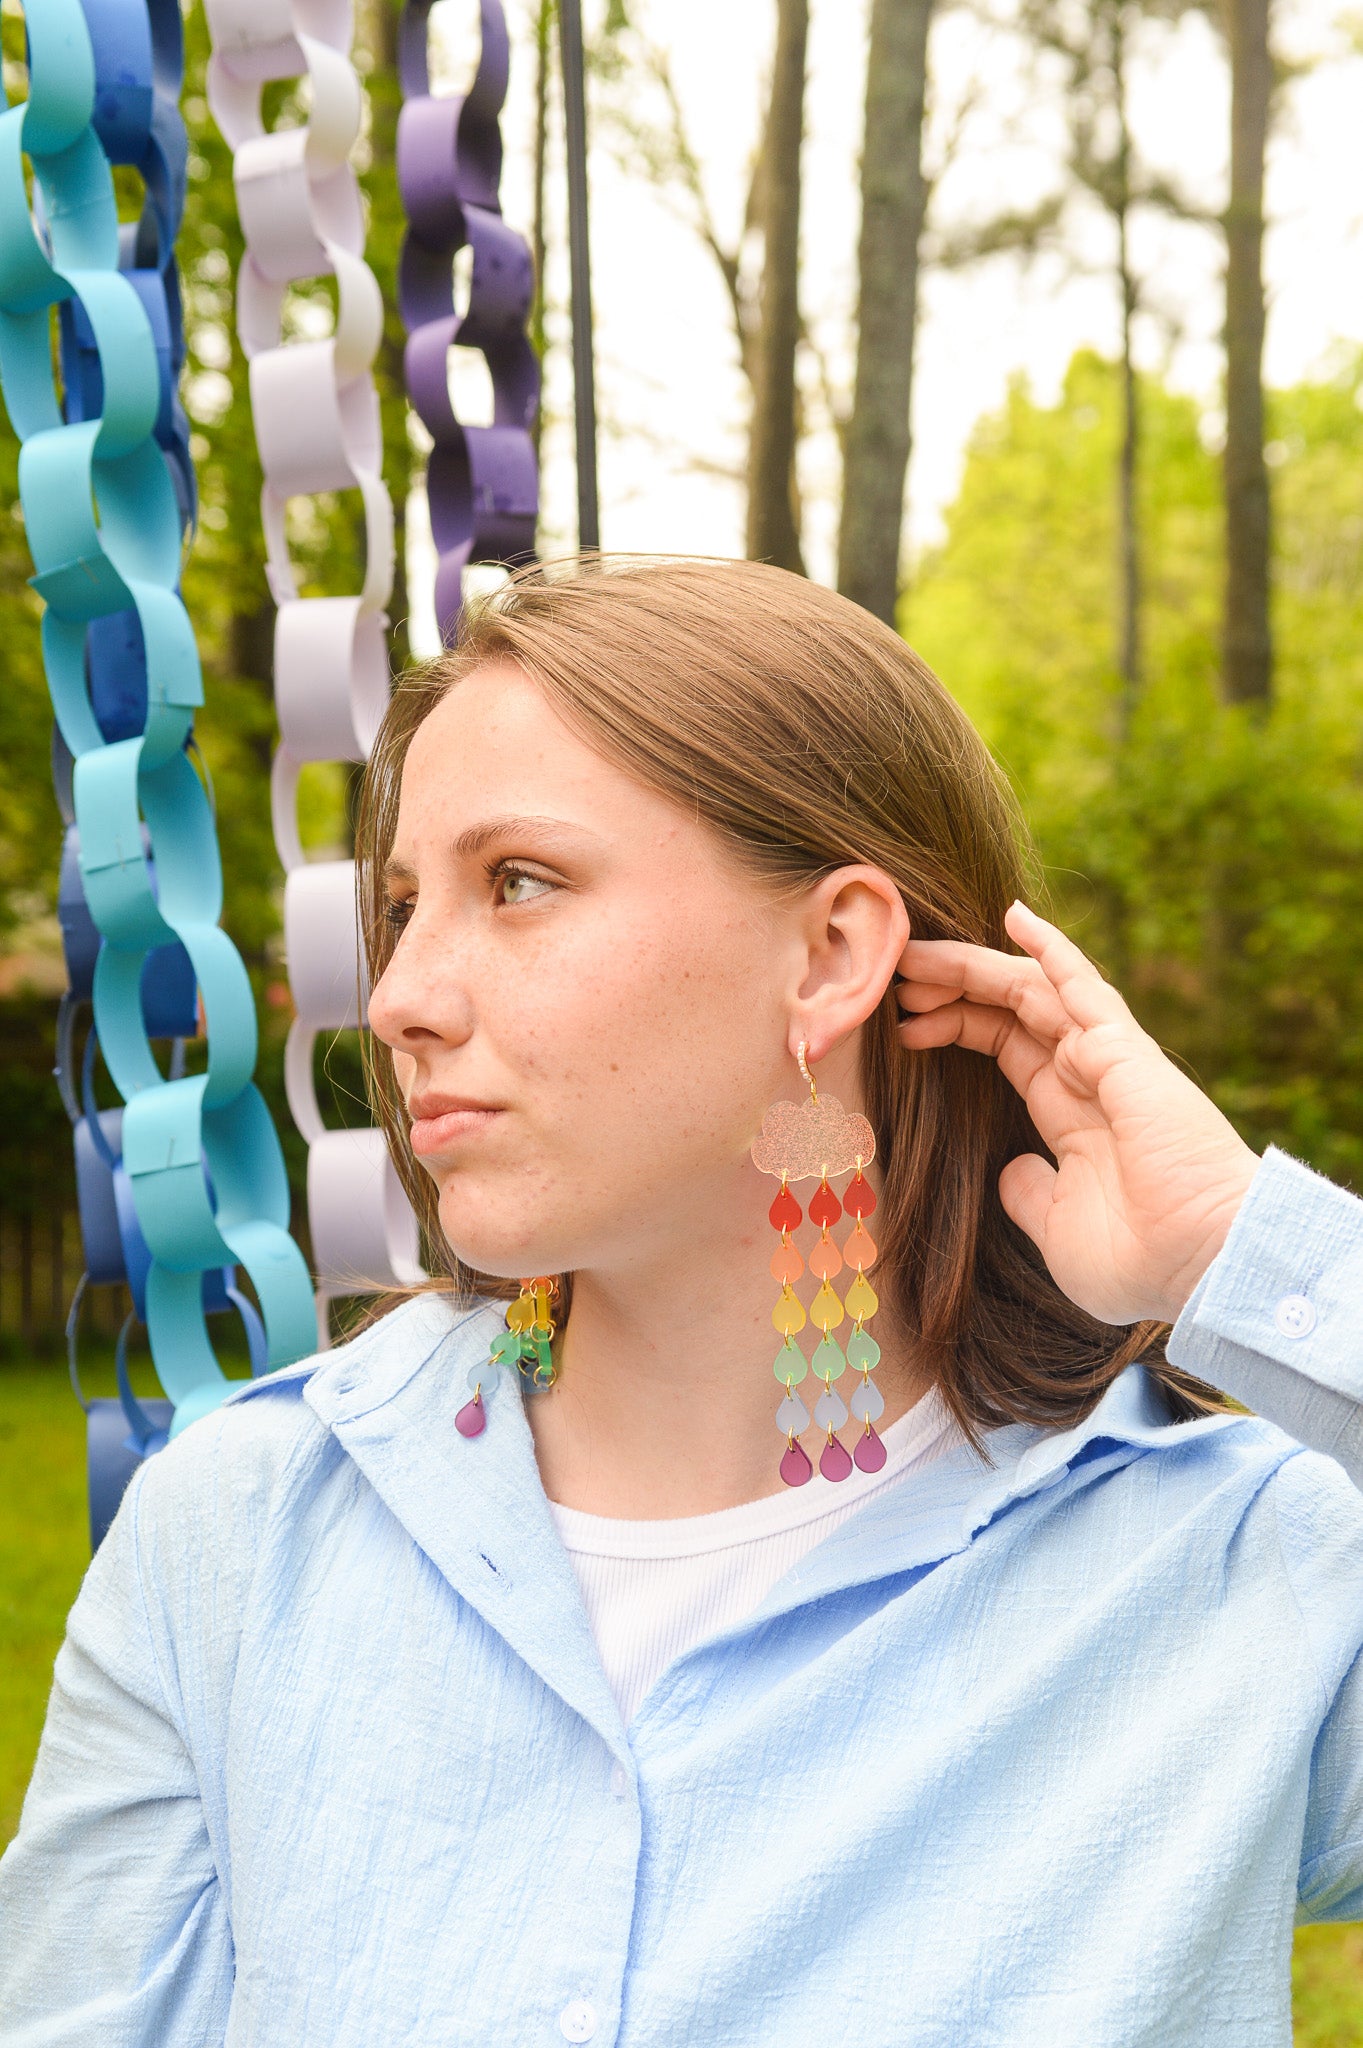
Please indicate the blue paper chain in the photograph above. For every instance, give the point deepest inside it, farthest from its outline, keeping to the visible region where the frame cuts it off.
(104, 519)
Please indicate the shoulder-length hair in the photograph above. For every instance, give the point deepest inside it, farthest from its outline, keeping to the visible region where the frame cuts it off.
(807, 735)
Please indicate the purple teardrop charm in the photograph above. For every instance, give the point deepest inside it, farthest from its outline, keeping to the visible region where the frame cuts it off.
(472, 1417)
(834, 1462)
(795, 1465)
(870, 1451)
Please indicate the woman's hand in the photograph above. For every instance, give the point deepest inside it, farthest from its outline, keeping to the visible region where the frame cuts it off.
(1150, 1173)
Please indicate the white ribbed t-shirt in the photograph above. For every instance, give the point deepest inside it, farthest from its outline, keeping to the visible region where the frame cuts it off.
(653, 1590)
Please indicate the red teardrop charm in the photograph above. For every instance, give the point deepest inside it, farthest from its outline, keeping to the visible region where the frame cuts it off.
(870, 1452)
(785, 1212)
(860, 1198)
(824, 1206)
(795, 1465)
(834, 1462)
(472, 1417)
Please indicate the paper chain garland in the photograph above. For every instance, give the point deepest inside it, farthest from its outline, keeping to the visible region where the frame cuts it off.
(187, 1182)
(317, 428)
(106, 491)
(482, 482)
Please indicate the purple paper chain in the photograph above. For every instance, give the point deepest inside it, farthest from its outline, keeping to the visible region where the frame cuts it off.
(482, 482)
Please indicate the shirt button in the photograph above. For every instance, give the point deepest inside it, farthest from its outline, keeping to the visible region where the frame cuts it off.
(619, 1781)
(1295, 1316)
(577, 2022)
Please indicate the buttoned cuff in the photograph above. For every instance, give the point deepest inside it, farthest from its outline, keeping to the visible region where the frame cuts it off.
(1286, 1286)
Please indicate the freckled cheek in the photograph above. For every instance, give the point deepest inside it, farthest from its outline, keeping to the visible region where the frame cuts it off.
(574, 1005)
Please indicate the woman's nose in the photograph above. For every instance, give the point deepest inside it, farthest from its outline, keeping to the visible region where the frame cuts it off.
(419, 998)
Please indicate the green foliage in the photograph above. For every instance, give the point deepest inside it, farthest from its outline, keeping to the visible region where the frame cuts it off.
(1211, 861)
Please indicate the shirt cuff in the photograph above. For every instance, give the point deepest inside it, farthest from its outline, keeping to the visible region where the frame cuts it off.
(1287, 1285)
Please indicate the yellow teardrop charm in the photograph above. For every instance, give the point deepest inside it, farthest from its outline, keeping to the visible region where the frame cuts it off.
(862, 1299)
(788, 1316)
(825, 1311)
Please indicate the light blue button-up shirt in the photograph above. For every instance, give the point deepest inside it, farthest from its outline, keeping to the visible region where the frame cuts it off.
(1049, 1751)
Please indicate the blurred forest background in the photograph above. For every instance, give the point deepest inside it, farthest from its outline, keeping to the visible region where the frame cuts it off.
(1153, 608)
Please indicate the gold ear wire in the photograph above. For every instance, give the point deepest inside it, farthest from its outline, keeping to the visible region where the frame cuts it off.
(804, 1069)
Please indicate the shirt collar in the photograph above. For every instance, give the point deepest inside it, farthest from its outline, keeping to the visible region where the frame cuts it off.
(477, 1507)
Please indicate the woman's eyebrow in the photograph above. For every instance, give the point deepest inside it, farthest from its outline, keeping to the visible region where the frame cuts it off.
(476, 839)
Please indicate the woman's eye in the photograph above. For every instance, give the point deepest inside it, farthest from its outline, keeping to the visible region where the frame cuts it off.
(515, 886)
(397, 914)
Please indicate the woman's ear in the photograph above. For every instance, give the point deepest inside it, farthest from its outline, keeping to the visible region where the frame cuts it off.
(855, 928)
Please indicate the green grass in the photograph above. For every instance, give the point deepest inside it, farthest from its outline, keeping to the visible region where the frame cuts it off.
(44, 1551)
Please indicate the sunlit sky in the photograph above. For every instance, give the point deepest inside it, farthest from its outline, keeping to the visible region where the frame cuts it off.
(671, 395)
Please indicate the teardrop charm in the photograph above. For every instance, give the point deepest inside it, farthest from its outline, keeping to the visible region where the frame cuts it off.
(792, 1417)
(471, 1419)
(868, 1403)
(829, 1361)
(824, 1206)
(785, 1212)
(825, 1311)
(791, 1364)
(870, 1452)
(860, 1198)
(863, 1352)
(862, 1299)
(834, 1462)
(795, 1465)
(830, 1410)
(860, 1248)
(788, 1316)
(825, 1260)
(786, 1264)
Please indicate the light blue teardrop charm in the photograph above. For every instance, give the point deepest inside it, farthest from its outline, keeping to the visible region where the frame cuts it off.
(830, 1410)
(868, 1403)
(792, 1417)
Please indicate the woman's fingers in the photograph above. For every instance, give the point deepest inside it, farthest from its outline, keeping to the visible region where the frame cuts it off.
(941, 971)
(1025, 1189)
(979, 1028)
(1050, 988)
(1081, 988)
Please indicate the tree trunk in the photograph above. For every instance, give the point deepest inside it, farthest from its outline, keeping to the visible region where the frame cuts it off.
(876, 452)
(1247, 650)
(773, 518)
(1129, 653)
(1129, 650)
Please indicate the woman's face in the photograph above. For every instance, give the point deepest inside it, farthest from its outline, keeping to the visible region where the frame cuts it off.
(589, 1002)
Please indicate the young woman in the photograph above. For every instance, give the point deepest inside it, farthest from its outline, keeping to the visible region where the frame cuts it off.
(482, 1681)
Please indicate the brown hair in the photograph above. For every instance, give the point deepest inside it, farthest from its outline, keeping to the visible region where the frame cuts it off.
(807, 735)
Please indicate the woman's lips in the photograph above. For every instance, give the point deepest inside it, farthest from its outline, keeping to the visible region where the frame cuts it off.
(432, 1135)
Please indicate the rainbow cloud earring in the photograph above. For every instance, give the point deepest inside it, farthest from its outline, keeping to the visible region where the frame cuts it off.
(820, 1140)
(523, 1346)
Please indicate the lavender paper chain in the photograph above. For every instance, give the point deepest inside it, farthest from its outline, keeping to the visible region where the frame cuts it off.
(482, 482)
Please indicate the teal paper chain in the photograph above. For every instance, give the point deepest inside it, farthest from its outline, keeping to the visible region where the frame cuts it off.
(203, 1157)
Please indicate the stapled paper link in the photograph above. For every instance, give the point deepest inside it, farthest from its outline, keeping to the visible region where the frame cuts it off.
(317, 427)
(482, 482)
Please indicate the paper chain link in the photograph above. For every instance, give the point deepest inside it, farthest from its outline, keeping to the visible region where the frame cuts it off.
(317, 428)
(482, 482)
(104, 521)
